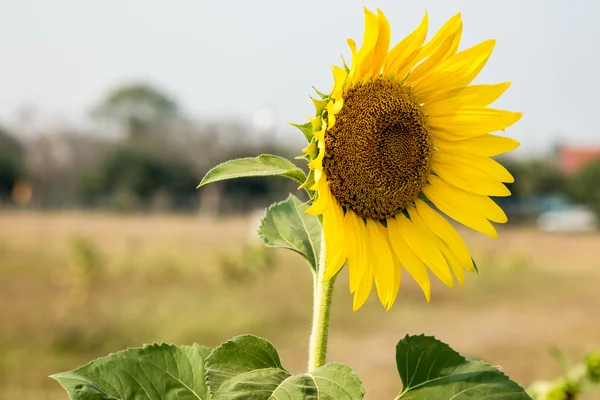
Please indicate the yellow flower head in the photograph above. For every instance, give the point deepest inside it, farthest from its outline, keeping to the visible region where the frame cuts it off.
(402, 129)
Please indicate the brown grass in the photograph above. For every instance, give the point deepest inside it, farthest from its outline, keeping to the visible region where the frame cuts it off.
(74, 286)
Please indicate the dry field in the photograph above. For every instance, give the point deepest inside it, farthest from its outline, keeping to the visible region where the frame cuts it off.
(74, 286)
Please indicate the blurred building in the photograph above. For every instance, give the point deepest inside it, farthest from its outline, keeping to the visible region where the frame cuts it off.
(571, 159)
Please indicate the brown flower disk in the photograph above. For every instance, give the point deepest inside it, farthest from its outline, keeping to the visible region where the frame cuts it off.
(378, 153)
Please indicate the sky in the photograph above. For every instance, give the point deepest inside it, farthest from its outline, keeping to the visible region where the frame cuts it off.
(240, 59)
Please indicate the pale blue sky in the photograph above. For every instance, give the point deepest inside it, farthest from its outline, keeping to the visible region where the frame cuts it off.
(232, 58)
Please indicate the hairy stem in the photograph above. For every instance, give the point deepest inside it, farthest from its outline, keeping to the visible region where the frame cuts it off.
(323, 293)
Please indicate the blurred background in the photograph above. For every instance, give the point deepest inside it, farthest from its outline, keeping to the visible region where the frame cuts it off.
(112, 111)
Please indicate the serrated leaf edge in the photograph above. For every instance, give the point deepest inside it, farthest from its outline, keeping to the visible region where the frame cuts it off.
(72, 373)
(496, 368)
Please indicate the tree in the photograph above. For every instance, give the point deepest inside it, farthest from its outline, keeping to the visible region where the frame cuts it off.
(536, 177)
(12, 164)
(142, 174)
(585, 186)
(139, 109)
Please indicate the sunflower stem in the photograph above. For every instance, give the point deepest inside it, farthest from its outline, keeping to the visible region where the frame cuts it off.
(323, 294)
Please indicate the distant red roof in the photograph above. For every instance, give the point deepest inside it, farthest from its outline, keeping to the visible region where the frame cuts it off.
(571, 159)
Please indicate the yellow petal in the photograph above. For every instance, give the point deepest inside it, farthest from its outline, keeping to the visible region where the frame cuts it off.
(361, 271)
(352, 72)
(317, 162)
(469, 162)
(337, 105)
(320, 134)
(330, 115)
(445, 231)
(380, 257)
(312, 150)
(318, 175)
(448, 29)
(449, 100)
(399, 56)
(447, 49)
(422, 245)
(333, 232)
(323, 199)
(460, 205)
(456, 71)
(455, 265)
(355, 240)
(397, 280)
(469, 122)
(364, 57)
(364, 289)
(397, 269)
(457, 269)
(482, 205)
(469, 179)
(411, 262)
(316, 122)
(452, 28)
(487, 145)
(339, 79)
(383, 44)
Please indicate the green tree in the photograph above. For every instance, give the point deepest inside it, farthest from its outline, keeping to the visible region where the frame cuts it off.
(12, 164)
(535, 177)
(138, 108)
(585, 186)
(141, 173)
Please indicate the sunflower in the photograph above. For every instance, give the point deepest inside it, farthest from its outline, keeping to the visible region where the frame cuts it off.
(402, 138)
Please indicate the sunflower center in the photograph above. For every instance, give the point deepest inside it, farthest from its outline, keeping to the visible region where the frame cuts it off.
(378, 153)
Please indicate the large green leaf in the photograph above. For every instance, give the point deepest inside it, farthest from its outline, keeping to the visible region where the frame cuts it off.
(238, 355)
(329, 382)
(263, 165)
(153, 372)
(287, 225)
(248, 368)
(430, 369)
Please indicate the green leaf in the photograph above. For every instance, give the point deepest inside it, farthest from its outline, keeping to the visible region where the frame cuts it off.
(256, 385)
(329, 382)
(154, 372)
(238, 355)
(248, 368)
(263, 165)
(287, 225)
(430, 369)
